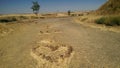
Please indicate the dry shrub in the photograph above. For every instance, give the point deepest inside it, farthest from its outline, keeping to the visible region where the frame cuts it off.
(8, 19)
(109, 20)
(84, 19)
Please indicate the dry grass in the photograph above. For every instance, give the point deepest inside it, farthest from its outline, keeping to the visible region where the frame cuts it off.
(6, 19)
(110, 7)
(52, 54)
(90, 20)
(10, 23)
(109, 20)
(18, 17)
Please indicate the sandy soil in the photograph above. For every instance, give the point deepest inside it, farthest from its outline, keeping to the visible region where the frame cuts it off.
(59, 43)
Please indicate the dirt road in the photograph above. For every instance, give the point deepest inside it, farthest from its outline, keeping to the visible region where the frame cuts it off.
(60, 43)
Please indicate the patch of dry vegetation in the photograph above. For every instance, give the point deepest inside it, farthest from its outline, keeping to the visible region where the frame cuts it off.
(110, 7)
(9, 23)
(109, 20)
(7, 19)
(51, 54)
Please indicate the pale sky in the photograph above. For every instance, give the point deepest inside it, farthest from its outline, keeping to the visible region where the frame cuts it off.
(23, 6)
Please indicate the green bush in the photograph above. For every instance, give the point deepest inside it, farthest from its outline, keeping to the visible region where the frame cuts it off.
(109, 20)
(100, 20)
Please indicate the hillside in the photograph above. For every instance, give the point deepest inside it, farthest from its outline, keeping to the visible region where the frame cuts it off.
(110, 7)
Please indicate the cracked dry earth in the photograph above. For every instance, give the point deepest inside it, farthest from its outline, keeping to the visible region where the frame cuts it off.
(59, 43)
